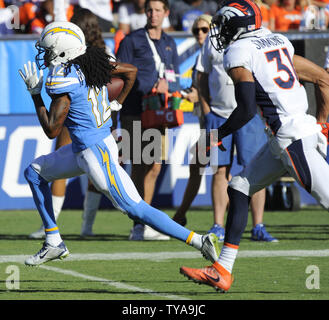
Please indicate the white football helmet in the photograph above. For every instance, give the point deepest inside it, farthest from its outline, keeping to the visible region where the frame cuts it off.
(59, 42)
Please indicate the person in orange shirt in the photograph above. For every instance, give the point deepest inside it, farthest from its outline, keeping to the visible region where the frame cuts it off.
(36, 17)
(285, 15)
(2, 4)
(265, 11)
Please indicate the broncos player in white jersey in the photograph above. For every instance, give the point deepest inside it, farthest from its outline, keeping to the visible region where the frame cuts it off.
(266, 73)
(77, 85)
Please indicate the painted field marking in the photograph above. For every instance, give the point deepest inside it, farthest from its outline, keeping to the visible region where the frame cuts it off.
(112, 283)
(155, 256)
(158, 256)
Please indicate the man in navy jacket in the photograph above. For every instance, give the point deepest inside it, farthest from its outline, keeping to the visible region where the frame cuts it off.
(156, 70)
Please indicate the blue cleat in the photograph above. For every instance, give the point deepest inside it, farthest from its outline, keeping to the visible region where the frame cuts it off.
(259, 233)
(218, 231)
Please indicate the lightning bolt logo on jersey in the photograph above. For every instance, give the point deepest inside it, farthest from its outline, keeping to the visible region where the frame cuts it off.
(89, 118)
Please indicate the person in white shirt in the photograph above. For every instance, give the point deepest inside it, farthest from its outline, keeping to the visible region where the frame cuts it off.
(200, 30)
(131, 16)
(102, 9)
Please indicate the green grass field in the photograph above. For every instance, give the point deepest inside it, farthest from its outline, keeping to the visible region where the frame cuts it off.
(109, 267)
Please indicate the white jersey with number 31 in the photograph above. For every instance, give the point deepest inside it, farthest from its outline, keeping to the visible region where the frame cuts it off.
(279, 94)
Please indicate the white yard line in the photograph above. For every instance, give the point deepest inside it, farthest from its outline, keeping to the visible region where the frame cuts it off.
(112, 283)
(158, 256)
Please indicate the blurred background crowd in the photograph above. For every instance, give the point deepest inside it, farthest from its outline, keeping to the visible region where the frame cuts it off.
(122, 16)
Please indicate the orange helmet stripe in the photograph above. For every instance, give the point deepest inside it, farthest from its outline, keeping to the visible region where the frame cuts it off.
(258, 16)
(239, 7)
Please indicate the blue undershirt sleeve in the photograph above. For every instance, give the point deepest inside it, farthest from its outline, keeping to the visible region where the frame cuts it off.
(245, 95)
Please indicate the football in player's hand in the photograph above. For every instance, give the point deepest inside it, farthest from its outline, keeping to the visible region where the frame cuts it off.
(114, 88)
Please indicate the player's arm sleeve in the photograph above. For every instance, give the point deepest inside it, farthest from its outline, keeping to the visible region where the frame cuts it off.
(245, 93)
(245, 96)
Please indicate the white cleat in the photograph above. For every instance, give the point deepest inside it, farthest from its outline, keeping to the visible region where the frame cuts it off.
(48, 253)
(140, 232)
(39, 234)
(151, 234)
(210, 247)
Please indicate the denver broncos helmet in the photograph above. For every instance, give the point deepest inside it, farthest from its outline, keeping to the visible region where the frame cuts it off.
(233, 18)
(59, 42)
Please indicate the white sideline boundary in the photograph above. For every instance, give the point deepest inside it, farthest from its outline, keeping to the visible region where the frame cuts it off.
(158, 256)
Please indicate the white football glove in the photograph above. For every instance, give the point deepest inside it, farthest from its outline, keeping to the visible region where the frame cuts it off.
(115, 105)
(32, 80)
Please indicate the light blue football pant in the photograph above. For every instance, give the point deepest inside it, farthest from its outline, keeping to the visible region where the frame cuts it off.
(100, 163)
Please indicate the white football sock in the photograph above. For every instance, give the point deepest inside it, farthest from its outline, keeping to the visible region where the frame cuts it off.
(57, 205)
(227, 257)
(90, 205)
(195, 241)
(53, 239)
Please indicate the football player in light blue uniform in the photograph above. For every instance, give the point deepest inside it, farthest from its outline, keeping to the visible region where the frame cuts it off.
(89, 119)
(77, 85)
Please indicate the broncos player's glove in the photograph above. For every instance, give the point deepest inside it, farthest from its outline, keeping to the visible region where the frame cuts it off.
(325, 129)
(32, 80)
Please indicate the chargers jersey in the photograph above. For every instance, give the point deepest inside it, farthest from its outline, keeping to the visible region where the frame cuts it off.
(279, 94)
(89, 118)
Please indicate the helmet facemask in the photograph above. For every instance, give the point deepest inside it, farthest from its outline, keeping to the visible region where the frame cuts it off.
(219, 35)
(225, 31)
(44, 57)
